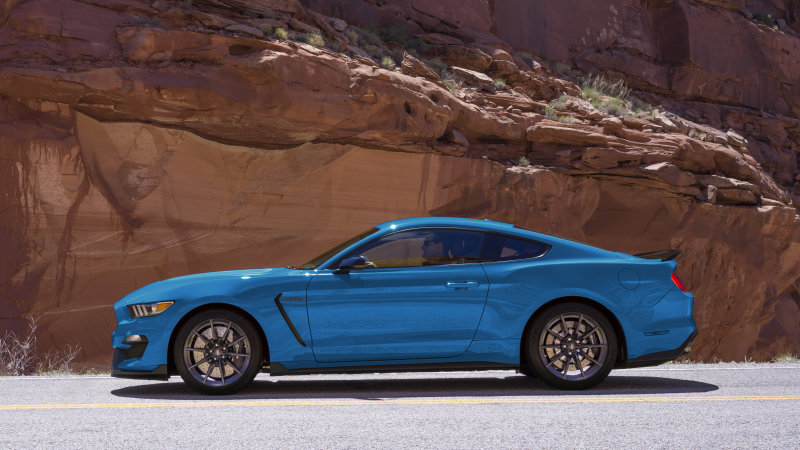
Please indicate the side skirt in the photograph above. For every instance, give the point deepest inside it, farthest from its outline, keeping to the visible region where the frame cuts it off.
(278, 369)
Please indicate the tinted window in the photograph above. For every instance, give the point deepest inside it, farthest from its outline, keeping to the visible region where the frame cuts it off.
(314, 263)
(505, 248)
(424, 247)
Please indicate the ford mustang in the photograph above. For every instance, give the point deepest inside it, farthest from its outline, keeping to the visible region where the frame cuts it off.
(433, 293)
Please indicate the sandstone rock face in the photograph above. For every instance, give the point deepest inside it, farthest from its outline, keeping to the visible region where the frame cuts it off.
(705, 58)
(466, 57)
(550, 134)
(144, 141)
(414, 67)
(474, 78)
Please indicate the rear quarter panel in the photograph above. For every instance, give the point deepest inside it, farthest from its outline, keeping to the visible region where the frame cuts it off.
(628, 287)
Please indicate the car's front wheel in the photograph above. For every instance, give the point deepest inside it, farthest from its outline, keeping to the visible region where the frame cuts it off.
(571, 346)
(217, 352)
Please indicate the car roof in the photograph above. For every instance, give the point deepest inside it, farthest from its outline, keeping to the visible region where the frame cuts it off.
(414, 222)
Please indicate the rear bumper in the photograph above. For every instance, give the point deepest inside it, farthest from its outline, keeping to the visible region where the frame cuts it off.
(654, 359)
(159, 373)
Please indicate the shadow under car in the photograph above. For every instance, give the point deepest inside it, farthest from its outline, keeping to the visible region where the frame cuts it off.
(280, 388)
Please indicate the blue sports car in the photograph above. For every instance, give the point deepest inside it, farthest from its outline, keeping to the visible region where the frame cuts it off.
(433, 293)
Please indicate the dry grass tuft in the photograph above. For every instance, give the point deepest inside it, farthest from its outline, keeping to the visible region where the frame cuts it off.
(18, 355)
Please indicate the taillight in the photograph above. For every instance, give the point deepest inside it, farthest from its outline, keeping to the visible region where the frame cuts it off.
(678, 282)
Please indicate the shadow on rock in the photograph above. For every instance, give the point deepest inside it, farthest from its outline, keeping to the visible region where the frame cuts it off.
(280, 388)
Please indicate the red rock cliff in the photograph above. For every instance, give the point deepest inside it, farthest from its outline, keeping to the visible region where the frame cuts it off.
(148, 139)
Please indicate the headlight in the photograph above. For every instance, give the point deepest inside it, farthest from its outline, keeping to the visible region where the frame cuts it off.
(148, 309)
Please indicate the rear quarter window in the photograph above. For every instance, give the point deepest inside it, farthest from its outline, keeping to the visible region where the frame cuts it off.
(499, 247)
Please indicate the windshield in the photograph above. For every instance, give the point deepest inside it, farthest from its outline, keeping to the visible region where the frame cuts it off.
(314, 263)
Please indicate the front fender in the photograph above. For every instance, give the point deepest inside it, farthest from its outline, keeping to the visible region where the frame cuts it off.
(252, 292)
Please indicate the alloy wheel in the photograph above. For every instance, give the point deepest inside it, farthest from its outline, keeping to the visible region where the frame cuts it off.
(573, 346)
(217, 352)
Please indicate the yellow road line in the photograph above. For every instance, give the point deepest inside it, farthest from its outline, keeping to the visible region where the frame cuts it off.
(470, 401)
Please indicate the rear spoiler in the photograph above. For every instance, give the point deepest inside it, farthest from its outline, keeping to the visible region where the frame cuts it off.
(663, 255)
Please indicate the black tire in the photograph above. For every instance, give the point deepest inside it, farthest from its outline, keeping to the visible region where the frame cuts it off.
(571, 346)
(218, 352)
(526, 370)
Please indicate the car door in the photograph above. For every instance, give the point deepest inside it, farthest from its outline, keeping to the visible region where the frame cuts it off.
(406, 303)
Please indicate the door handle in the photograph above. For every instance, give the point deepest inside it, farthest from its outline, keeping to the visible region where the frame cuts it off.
(461, 284)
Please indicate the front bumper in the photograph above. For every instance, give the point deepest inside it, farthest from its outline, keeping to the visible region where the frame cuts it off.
(159, 373)
(144, 358)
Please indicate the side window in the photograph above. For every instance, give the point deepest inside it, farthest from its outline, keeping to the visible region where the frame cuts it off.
(506, 248)
(424, 247)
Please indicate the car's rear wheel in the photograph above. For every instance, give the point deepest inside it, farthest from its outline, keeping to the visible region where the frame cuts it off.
(218, 352)
(571, 346)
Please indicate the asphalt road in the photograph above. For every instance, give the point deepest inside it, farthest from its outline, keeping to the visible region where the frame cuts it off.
(719, 406)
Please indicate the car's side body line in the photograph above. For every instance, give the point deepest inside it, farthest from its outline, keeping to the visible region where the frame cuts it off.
(288, 320)
(278, 369)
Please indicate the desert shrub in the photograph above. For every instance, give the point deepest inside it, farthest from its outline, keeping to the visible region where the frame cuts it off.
(396, 34)
(562, 69)
(764, 17)
(500, 83)
(280, 33)
(641, 108)
(527, 57)
(565, 119)
(367, 36)
(785, 357)
(591, 94)
(609, 96)
(616, 107)
(549, 113)
(610, 88)
(315, 39)
(352, 36)
(436, 65)
(524, 162)
(388, 63)
(399, 35)
(451, 86)
(560, 104)
(18, 354)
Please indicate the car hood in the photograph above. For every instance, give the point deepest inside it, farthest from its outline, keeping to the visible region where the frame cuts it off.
(227, 282)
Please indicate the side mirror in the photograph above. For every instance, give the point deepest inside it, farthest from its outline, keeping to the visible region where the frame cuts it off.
(351, 262)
